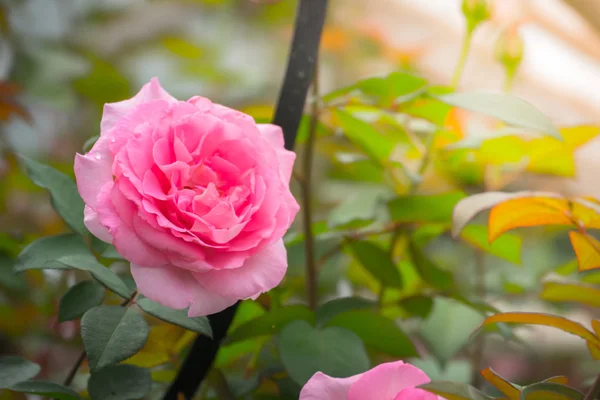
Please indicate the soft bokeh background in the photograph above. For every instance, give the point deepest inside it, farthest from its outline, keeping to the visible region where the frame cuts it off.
(61, 60)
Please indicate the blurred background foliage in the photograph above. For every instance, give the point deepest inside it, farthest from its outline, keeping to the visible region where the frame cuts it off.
(61, 60)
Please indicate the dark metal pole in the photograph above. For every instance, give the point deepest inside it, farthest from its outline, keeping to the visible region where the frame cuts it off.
(310, 18)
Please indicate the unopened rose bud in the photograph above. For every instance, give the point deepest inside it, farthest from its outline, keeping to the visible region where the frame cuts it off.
(509, 49)
(476, 12)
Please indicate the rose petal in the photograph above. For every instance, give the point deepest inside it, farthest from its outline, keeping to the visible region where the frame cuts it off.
(90, 219)
(113, 112)
(207, 303)
(170, 286)
(259, 273)
(324, 387)
(93, 171)
(286, 165)
(178, 251)
(175, 288)
(115, 212)
(272, 133)
(385, 381)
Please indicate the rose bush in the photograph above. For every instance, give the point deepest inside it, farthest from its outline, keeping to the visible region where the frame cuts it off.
(388, 381)
(194, 194)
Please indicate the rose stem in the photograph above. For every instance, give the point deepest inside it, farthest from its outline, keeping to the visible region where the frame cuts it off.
(306, 185)
(594, 390)
(477, 355)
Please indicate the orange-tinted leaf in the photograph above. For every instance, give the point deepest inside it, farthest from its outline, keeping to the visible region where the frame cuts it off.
(335, 39)
(469, 207)
(561, 380)
(9, 104)
(586, 212)
(554, 321)
(594, 350)
(587, 250)
(8, 107)
(555, 291)
(596, 326)
(501, 384)
(528, 211)
(9, 89)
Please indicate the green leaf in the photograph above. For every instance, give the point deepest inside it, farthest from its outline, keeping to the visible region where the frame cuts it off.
(68, 251)
(112, 253)
(16, 369)
(418, 305)
(112, 334)
(176, 317)
(365, 137)
(448, 327)
(120, 382)
(43, 253)
(377, 332)
(46, 388)
(455, 391)
(8, 279)
(87, 146)
(336, 352)
(65, 197)
(454, 371)
(377, 261)
(506, 246)
(337, 306)
(550, 391)
(360, 208)
(508, 108)
(103, 84)
(397, 87)
(79, 299)
(271, 323)
(429, 271)
(425, 208)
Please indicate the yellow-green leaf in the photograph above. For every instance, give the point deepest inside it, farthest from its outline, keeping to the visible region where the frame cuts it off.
(501, 384)
(572, 292)
(554, 321)
(507, 246)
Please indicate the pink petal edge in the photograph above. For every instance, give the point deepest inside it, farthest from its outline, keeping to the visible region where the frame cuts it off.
(324, 387)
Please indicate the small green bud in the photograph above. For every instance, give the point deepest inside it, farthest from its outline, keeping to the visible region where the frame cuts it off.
(509, 49)
(476, 12)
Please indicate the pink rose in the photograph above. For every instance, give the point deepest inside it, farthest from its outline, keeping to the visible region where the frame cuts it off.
(194, 194)
(389, 381)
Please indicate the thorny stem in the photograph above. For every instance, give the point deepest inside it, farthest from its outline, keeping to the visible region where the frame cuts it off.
(82, 356)
(594, 391)
(464, 52)
(306, 185)
(477, 355)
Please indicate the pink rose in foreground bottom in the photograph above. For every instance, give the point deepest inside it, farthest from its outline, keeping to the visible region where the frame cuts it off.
(194, 194)
(389, 381)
